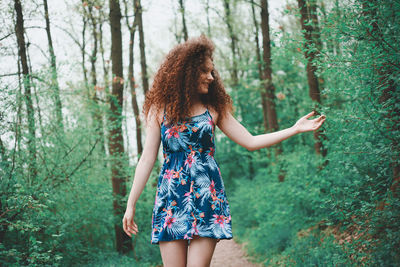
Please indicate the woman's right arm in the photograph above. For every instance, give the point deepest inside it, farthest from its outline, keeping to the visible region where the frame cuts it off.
(142, 172)
(147, 159)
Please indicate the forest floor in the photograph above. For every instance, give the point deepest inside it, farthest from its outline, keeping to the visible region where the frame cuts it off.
(228, 253)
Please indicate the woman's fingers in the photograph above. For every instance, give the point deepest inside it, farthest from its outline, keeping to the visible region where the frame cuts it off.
(133, 228)
(320, 123)
(309, 114)
(124, 223)
(130, 227)
(322, 117)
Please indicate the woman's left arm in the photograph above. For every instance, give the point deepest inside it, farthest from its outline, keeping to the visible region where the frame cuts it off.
(239, 134)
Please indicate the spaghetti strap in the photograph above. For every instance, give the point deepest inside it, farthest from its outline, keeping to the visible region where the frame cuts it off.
(165, 113)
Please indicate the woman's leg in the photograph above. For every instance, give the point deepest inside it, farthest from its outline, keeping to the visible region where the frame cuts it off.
(174, 253)
(201, 250)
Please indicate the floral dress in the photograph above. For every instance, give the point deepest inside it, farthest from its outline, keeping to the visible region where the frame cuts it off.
(190, 198)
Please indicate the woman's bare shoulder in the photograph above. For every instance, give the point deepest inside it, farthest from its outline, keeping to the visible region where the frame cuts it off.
(214, 115)
(158, 113)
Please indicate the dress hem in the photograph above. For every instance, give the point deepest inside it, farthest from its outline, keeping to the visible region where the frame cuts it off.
(181, 238)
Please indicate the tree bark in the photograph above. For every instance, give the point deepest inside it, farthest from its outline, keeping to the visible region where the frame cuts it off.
(182, 10)
(116, 144)
(135, 106)
(94, 88)
(106, 71)
(19, 31)
(83, 54)
(138, 12)
(208, 18)
(260, 71)
(309, 24)
(267, 80)
(54, 81)
(228, 21)
(267, 69)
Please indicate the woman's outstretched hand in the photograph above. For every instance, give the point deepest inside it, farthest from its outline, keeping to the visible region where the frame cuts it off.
(305, 125)
(130, 227)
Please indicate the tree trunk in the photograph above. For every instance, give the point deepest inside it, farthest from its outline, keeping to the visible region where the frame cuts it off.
(19, 31)
(116, 144)
(309, 24)
(94, 94)
(260, 71)
(228, 21)
(208, 18)
(234, 70)
(83, 53)
(182, 11)
(267, 70)
(267, 79)
(54, 81)
(132, 84)
(106, 71)
(138, 12)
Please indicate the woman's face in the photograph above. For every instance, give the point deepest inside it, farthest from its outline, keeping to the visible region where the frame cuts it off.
(205, 77)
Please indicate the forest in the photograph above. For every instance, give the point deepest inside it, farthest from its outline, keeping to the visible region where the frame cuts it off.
(73, 79)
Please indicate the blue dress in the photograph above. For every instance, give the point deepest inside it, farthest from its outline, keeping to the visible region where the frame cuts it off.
(190, 198)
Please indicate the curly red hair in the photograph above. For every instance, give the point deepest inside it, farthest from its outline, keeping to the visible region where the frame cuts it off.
(176, 82)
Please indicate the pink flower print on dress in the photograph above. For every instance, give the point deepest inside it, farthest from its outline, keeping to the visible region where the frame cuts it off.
(168, 175)
(212, 188)
(182, 127)
(173, 131)
(190, 159)
(169, 212)
(187, 237)
(211, 122)
(176, 174)
(194, 225)
(219, 219)
(190, 190)
(166, 158)
(211, 153)
(169, 221)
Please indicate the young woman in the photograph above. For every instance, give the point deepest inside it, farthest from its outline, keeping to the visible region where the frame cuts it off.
(187, 100)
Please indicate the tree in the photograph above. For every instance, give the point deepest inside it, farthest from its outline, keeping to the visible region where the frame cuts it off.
(260, 69)
(267, 71)
(232, 35)
(138, 12)
(54, 80)
(132, 82)
(116, 144)
(182, 11)
(19, 32)
(312, 46)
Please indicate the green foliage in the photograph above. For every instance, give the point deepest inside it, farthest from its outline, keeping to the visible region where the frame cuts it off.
(64, 216)
(338, 210)
(355, 195)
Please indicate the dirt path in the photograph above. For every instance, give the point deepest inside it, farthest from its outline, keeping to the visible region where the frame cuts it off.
(230, 254)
